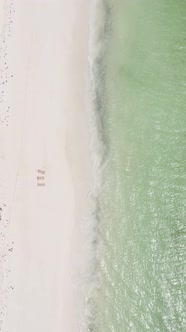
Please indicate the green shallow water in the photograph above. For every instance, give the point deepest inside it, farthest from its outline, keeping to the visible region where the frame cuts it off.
(143, 204)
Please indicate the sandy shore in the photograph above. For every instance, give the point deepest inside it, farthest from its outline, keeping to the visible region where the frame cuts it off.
(47, 132)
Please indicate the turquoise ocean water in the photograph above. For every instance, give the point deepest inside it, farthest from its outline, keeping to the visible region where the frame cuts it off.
(140, 268)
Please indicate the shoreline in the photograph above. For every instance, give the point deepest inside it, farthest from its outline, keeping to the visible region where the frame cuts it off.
(44, 224)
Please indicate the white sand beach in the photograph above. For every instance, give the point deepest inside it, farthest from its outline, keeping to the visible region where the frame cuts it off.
(45, 157)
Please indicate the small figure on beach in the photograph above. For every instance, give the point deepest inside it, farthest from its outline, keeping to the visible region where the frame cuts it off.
(41, 178)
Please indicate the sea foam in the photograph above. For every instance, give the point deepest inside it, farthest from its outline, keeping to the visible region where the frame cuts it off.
(99, 28)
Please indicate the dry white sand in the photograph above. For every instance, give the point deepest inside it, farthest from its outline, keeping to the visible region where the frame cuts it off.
(47, 130)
